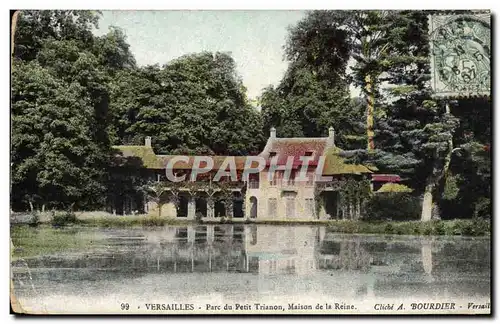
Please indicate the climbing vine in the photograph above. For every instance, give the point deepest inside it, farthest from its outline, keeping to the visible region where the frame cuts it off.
(161, 192)
(352, 194)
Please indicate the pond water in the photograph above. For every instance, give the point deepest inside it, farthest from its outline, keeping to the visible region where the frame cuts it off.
(184, 269)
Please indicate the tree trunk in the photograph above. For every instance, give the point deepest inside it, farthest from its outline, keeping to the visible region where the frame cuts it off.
(431, 183)
(427, 203)
(370, 106)
(447, 159)
(159, 208)
(31, 206)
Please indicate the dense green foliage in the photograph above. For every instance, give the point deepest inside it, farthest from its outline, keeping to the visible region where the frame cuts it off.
(75, 94)
(63, 218)
(60, 146)
(392, 206)
(463, 227)
(439, 150)
(195, 104)
(314, 93)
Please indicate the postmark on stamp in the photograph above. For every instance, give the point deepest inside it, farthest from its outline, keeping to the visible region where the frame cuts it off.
(460, 47)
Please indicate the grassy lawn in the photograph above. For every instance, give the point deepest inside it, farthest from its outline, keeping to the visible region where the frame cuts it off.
(32, 241)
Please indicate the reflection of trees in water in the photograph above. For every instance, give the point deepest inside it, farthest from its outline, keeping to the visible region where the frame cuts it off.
(469, 255)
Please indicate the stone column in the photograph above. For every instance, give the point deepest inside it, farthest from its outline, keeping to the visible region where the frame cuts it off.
(321, 210)
(191, 234)
(243, 206)
(321, 233)
(210, 234)
(191, 210)
(229, 209)
(230, 233)
(210, 207)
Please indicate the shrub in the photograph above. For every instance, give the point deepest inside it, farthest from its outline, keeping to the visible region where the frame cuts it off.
(350, 227)
(398, 206)
(482, 227)
(63, 218)
(438, 228)
(34, 219)
(483, 208)
(388, 229)
(468, 229)
(153, 221)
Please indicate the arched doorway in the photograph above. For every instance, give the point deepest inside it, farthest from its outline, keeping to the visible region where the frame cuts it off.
(330, 204)
(253, 207)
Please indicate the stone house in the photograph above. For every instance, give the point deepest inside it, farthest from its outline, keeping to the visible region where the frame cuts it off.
(261, 196)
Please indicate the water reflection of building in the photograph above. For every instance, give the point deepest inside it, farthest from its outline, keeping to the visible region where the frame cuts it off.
(259, 249)
(237, 248)
(291, 251)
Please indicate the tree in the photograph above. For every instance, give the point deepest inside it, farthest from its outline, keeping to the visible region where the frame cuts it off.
(193, 105)
(59, 79)
(313, 95)
(415, 133)
(113, 51)
(34, 27)
(53, 152)
(372, 40)
(418, 134)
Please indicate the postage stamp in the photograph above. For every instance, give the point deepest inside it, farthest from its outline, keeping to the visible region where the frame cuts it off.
(322, 162)
(460, 54)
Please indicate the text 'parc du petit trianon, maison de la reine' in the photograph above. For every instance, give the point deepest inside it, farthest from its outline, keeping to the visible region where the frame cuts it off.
(291, 179)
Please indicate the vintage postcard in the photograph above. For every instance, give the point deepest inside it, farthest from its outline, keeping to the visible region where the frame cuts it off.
(332, 162)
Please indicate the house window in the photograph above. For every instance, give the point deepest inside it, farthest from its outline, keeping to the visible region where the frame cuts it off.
(253, 184)
(272, 207)
(290, 207)
(310, 178)
(309, 153)
(291, 179)
(277, 177)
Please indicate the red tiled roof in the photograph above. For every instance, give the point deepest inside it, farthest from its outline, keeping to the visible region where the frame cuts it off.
(295, 147)
(218, 160)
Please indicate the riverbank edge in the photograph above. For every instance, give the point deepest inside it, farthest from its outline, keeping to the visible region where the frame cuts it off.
(456, 227)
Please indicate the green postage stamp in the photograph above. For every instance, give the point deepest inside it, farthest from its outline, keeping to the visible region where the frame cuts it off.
(460, 49)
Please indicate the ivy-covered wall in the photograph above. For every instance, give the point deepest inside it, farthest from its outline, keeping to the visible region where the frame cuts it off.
(352, 196)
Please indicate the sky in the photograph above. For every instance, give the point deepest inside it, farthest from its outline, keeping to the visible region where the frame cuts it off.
(254, 38)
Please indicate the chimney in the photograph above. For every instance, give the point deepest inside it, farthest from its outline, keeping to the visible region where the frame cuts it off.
(273, 132)
(147, 141)
(331, 136)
